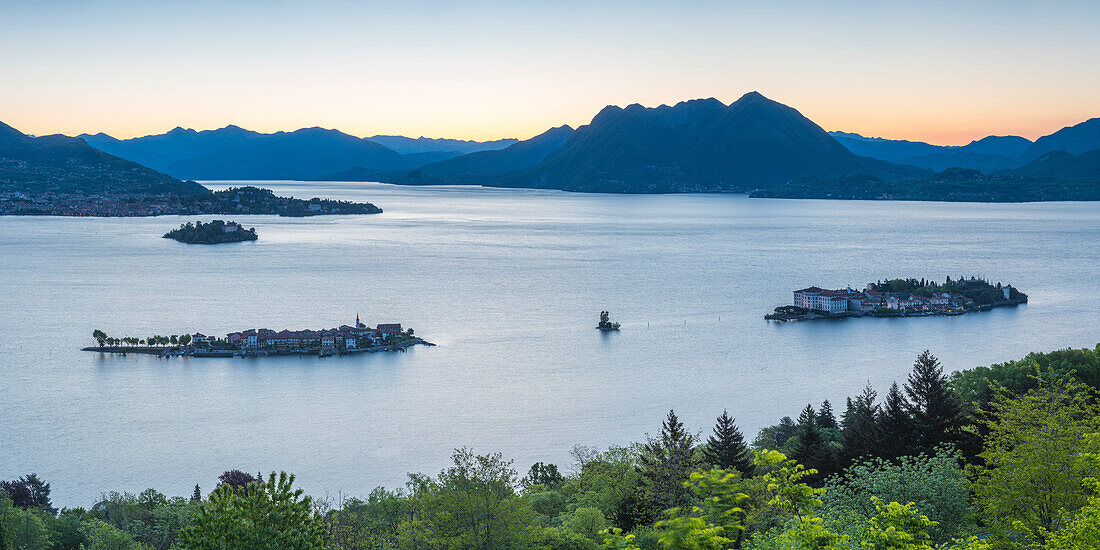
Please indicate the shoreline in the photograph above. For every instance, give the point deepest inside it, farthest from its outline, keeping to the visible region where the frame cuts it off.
(181, 351)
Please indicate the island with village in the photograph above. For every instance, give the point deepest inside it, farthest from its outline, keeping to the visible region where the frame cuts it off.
(263, 342)
(899, 298)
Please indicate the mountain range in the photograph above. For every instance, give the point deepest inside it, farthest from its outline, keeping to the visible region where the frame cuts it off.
(989, 154)
(233, 152)
(752, 145)
(65, 165)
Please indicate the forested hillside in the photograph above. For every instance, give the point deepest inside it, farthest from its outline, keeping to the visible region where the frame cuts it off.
(998, 457)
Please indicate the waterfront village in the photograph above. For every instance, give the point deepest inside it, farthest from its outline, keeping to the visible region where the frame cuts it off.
(899, 298)
(266, 342)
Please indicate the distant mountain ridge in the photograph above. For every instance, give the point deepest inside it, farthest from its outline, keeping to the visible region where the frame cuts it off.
(65, 165)
(474, 167)
(989, 154)
(407, 145)
(233, 152)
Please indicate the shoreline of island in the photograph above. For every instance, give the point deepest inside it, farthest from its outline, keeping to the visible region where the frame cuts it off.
(899, 298)
(344, 340)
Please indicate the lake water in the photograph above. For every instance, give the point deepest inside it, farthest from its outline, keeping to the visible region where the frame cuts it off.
(509, 284)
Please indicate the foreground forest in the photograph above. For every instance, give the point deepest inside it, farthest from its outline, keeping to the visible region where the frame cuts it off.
(999, 457)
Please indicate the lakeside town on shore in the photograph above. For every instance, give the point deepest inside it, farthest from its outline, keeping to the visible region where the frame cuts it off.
(237, 200)
(263, 342)
(899, 298)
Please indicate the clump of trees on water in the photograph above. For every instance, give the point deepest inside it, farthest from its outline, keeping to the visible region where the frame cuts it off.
(215, 232)
(103, 340)
(999, 457)
(605, 322)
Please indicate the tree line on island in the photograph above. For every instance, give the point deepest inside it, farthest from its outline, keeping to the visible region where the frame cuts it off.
(998, 457)
(103, 340)
(215, 232)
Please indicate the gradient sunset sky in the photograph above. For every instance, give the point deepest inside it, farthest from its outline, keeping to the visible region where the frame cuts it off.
(943, 72)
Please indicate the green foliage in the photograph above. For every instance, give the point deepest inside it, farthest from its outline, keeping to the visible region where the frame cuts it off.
(611, 482)
(711, 523)
(1034, 464)
(935, 484)
(976, 385)
(267, 515)
(104, 536)
(614, 539)
(557, 538)
(545, 475)
(898, 526)
(586, 521)
(373, 523)
(548, 505)
(471, 505)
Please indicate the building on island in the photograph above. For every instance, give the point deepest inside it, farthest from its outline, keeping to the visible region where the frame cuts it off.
(849, 301)
(344, 338)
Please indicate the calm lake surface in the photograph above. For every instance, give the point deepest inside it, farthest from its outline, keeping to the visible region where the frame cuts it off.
(509, 284)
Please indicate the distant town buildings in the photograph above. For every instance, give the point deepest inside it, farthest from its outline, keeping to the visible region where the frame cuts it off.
(864, 301)
(344, 338)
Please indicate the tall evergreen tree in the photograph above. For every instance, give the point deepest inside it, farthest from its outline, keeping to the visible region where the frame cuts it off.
(825, 418)
(896, 426)
(666, 464)
(40, 492)
(197, 495)
(727, 449)
(784, 431)
(938, 417)
(861, 435)
(810, 447)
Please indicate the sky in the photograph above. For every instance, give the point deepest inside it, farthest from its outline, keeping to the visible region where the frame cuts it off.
(942, 72)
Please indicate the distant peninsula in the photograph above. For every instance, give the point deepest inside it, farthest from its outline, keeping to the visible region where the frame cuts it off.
(899, 298)
(215, 232)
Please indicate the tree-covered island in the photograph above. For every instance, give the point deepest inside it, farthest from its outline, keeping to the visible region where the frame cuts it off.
(899, 298)
(215, 232)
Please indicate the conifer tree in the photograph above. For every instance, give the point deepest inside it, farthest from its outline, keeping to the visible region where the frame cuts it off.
(197, 495)
(861, 435)
(896, 426)
(825, 418)
(666, 464)
(726, 449)
(810, 447)
(938, 417)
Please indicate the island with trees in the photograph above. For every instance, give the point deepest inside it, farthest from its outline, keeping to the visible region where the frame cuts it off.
(215, 232)
(989, 458)
(605, 323)
(263, 342)
(899, 298)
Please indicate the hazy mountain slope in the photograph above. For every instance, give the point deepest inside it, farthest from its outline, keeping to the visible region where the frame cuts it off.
(518, 156)
(68, 165)
(893, 150)
(1074, 139)
(407, 145)
(1063, 166)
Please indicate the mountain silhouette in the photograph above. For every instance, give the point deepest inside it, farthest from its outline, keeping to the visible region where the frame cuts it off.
(698, 145)
(66, 165)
